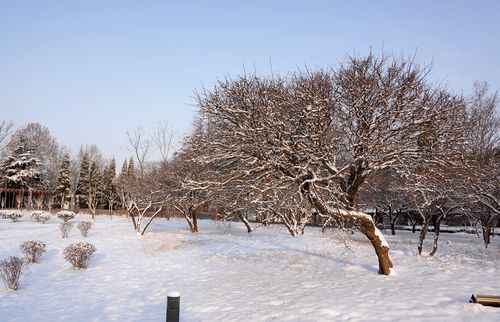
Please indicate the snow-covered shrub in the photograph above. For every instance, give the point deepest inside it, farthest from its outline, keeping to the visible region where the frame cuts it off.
(78, 254)
(4, 214)
(84, 227)
(65, 228)
(40, 216)
(15, 216)
(65, 215)
(11, 270)
(32, 249)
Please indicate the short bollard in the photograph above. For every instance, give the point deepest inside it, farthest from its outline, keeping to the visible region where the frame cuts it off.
(173, 306)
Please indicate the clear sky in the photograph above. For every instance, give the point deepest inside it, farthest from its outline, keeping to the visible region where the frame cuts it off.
(91, 70)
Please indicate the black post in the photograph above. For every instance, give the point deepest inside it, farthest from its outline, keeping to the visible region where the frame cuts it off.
(173, 306)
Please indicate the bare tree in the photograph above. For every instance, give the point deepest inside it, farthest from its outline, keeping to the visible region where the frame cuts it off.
(325, 132)
(481, 182)
(385, 192)
(139, 145)
(189, 192)
(162, 138)
(144, 198)
(6, 129)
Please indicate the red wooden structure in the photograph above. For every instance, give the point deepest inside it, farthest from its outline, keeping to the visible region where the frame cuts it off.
(18, 198)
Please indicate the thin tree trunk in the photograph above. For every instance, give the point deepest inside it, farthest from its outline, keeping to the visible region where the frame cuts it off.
(393, 222)
(437, 228)
(195, 222)
(151, 220)
(421, 238)
(246, 222)
(486, 235)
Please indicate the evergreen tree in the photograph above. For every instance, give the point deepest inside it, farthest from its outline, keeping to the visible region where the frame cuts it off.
(63, 182)
(83, 181)
(109, 183)
(131, 169)
(21, 170)
(95, 190)
(124, 171)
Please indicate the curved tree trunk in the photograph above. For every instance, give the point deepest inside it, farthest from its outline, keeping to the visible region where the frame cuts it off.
(366, 225)
(368, 228)
(246, 222)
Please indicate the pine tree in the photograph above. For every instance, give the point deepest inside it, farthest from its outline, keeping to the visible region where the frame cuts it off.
(109, 183)
(131, 169)
(63, 182)
(83, 181)
(95, 190)
(21, 170)
(124, 171)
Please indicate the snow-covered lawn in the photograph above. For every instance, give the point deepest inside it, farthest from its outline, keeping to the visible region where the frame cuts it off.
(223, 274)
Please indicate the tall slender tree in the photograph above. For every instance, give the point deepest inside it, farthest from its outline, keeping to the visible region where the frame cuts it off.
(131, 169)
(109, 177)
(63, 181)
(83, 181)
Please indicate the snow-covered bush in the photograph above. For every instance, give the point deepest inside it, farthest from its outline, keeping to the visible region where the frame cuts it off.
(32, 249)
(78, 254)
(65, 228)
(15, 216)
(65, 215)
(4, 214)
(11, 270)
(40, 216)
(84, 227)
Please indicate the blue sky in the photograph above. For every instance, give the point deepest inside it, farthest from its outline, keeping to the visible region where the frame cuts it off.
(91, 70)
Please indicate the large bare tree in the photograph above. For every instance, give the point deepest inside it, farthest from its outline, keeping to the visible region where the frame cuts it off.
(6, 128)
(323, 133)
(139, 145)
(481, 181)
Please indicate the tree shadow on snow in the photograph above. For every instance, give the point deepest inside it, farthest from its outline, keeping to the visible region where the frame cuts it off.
(367, 267)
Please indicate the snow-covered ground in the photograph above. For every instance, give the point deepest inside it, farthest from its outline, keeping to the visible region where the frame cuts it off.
(223, 274)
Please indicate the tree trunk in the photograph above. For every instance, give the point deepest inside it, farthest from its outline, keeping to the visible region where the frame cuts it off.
(437, 227)
(191, 219)
(392, 221)
(151, 220)
(246, 222)
(486, 235)
(421, 238)
(366, 225)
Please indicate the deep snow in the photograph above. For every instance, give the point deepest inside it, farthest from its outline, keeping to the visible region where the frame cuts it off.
(223, 274)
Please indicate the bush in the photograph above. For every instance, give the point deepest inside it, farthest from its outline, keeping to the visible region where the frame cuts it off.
(65, 228)
(77, 254)
(32, 249)
(84, 227)
(65, 215)
(4, 214)
(15, 216)
(11, 270)
(40, 216)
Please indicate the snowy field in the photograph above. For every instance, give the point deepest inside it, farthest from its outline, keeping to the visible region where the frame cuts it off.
(223, 274)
